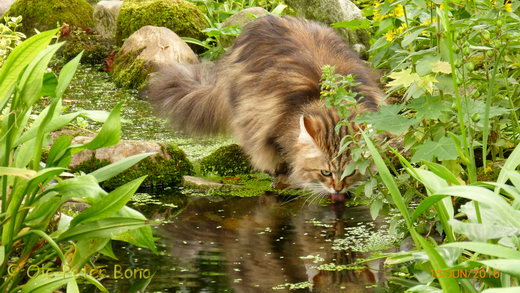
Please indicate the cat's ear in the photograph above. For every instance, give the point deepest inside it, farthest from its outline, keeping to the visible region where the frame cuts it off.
(308, 131)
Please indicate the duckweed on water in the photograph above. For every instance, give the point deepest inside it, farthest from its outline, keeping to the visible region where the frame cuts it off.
(365, 238)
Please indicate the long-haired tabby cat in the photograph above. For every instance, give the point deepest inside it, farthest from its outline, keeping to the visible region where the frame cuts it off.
(266, 92)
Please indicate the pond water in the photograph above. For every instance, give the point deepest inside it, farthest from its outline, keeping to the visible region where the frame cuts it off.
(265, 243)
(260, 244)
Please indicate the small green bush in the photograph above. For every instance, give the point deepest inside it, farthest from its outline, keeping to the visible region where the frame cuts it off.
(161, 172)
(96, 48)
(226, 161)
(182, 17)
(48, 14)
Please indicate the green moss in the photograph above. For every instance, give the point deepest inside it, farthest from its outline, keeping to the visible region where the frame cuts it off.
(226, 161)
(48, 14)
(130, 71)
(96, 48)
(182, 17)
(366, 3)
(162, 173)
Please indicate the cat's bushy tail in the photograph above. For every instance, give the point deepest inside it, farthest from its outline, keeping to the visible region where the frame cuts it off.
(188, 95)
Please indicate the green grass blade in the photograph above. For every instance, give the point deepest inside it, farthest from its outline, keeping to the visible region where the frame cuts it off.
(442, 172)
(448, 284)
(487, 249)
(109, 204)
(105, 228)
(19, 58)
(510, 266)
(389, 181)
(510, 165)
(45, 283)
(116, 168)
(426, 204)
(66, 74)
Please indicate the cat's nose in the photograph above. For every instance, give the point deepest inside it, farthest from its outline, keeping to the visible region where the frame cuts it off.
(338, 188)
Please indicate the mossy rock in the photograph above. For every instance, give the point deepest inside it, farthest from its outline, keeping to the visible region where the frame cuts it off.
(226, 161)
(96, 47)
(162, 172)
(130, 71)
(48, 14)
(182, 17)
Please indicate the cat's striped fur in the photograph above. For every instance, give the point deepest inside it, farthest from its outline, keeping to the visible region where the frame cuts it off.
(266, 92)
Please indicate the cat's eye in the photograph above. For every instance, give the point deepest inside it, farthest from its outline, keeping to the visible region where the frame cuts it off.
(326, 173)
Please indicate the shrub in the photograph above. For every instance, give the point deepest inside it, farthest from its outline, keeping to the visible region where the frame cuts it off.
(48, 14)
(182, 17)
(226, 161)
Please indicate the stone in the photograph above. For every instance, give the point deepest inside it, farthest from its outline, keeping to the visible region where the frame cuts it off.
(201, 183)
(48, 14)
(332, 11)
(241, 19)
(105, 18)
(182, 17)
(145, 50)
(245, 16)
(4, 6)
(164, 169)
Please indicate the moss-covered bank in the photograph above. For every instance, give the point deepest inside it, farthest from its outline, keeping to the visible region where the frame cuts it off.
(162, 173)
(226, 161)
(182, 17)
(47, 14)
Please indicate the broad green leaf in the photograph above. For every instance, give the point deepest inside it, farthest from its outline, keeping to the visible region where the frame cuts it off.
(429, 107)
(442, 172)
(142, 237)
(85, 186)
(107, 251)
(19, 172)
(426, 204)
(509, 166)
(424, 289)
(388, 119)
(85, 248)
(411, 36)
(487, 249)
(19, 58)
(441, 67)
(375, 207)
(115, 168)
(425, 64)
(48, 282)
(31, 82)
(403, 78)
(55, 123)
(444, 149)
(438, 263)
(96, 283)
(58, 150)
(105, 228)
(482, 232)
(109, 134)
(66, 74)
(109, 204)
(49, 84)
(72, 287)
(42, 212)
(510, 266)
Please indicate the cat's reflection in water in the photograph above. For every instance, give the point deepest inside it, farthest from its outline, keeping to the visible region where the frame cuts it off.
(264, 242)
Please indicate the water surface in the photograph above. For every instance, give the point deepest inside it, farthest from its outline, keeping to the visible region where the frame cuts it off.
(262, 244)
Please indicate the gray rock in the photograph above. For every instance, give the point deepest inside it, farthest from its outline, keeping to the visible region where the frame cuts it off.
(123, 149)
(245, 16)
(332, 11)
(201, 183)
(161, 46)
(105, 17)
(241, 19)
(4, 6)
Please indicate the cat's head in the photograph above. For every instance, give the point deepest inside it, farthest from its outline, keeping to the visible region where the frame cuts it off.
(317, 165)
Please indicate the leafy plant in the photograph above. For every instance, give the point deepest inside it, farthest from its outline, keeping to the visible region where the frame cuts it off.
(34, 230)
(9, 36)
